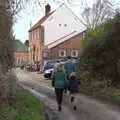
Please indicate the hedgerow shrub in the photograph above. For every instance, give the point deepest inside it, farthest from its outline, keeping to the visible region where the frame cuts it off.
(99, 66)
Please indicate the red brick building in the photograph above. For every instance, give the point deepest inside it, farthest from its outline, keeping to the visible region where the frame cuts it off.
(21, 57)
(56, 35)
(20, 52)
(71, 47)
(36, 40)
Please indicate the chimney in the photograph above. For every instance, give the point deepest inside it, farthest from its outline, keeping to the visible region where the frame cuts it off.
(47, 9)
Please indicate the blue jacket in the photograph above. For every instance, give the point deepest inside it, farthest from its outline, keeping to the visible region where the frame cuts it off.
(69, 67)
(59, 78)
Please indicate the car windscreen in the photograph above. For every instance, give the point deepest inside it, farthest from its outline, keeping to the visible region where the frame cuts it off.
(48, 66)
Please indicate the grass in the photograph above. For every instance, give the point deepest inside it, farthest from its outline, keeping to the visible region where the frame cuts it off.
(110, 94)
(24, 107)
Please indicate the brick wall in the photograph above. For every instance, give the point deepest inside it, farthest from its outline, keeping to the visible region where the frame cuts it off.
(35, 44)
(73, 44)
(21, 57)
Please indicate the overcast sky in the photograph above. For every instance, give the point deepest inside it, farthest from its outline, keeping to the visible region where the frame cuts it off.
(28, 16)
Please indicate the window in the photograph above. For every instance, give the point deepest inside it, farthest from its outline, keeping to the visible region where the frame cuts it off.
(29, 49)
(60, 25)
(62, 53)
(38, 34)
(32, 35)
(29, 36)
(65, 25)
(84, 34)
(74, 53)
(35, 34)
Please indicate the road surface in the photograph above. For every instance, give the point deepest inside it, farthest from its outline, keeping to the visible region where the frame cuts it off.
(88, 108)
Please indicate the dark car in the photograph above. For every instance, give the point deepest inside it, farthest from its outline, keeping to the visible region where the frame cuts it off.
(48, 69)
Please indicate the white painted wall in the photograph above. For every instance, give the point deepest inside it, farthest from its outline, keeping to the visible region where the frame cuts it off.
(55, 25)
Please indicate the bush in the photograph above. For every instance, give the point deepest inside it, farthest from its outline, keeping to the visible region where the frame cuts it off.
(99, 66)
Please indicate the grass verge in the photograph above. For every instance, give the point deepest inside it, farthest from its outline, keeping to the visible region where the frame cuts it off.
(23, 106)
(110, 94)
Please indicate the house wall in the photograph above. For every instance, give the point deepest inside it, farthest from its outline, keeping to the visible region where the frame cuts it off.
(61, 23)
(75, 43)
(21, 57)
(35, 45)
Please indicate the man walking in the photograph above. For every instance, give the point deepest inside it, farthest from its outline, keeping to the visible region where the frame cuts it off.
(69, 68)
(59, 81)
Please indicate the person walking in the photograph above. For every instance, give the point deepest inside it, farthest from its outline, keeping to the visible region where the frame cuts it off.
(57, 64)
(73, 89)
(59, 81)
(69, 68)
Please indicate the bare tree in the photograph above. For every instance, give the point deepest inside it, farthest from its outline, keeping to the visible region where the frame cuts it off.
(34, 5)
(100, 11)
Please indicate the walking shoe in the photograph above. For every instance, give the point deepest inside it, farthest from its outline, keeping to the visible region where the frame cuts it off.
(59, 108)
(72, 99)
(74, 108)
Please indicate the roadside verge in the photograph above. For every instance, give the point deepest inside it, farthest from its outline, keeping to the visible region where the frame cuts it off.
(23, 106)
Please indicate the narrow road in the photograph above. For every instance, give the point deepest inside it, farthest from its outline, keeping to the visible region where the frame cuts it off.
(88, 108)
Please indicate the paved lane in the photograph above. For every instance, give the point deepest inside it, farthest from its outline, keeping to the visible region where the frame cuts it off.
(88, 108)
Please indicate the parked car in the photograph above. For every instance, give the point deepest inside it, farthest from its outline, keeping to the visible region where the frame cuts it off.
(48, 69)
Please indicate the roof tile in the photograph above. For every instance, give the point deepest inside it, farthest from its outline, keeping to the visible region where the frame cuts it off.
(42, 20)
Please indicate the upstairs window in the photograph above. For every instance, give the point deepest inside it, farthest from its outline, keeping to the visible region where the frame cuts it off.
(32, 35)
(60, 25)
(74, 53)
(65, 25)
(62, 53)
(84, 34)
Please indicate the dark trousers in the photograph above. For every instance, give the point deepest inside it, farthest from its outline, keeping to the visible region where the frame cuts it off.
(59, 95)
(67, 88)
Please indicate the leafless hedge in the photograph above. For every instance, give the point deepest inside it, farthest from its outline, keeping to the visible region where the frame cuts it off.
(6, 58)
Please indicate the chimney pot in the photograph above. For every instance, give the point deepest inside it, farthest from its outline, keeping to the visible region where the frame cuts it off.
(47, 9)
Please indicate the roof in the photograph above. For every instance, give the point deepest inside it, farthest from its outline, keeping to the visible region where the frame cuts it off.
(42, 20)
(62, 39)
(19, 46)
(54, 40)
(55, 32)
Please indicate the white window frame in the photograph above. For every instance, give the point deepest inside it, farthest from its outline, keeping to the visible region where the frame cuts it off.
(62, 50)
(76, 51)
(84, 34)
